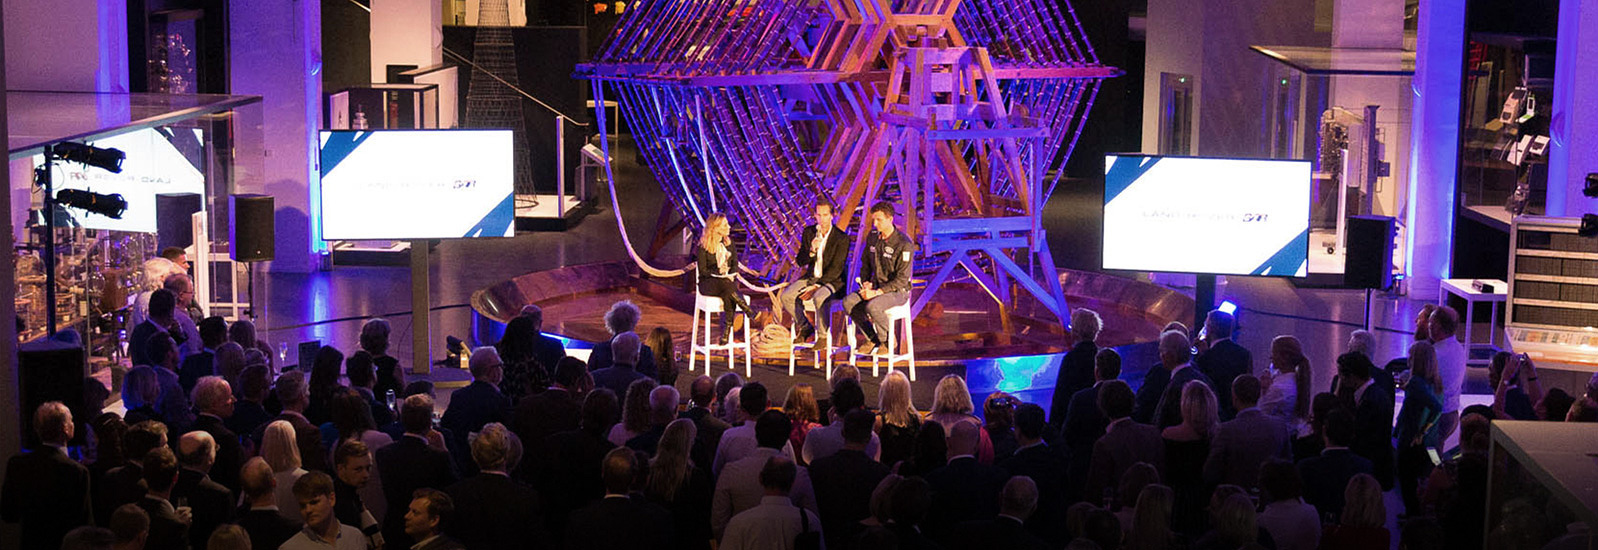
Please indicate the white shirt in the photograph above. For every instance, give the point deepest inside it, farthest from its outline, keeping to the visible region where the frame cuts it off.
(817, 247)
(1293, 524)
(824, 441)
(1451, 368)
(769, 526)
(1281, 397)
(737, 442)
(738, 489)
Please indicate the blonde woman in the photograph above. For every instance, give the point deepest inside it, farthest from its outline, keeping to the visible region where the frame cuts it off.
(1287, 384)
(951, 403)
(1364, 520)
(718, 271)
(634, 412)
(679, 485)
(1150, 528)
(282, 453)
(898, 422)
(1416, 428)
(1187, 446)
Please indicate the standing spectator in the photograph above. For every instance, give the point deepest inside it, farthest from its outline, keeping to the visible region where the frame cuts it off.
(353, 422)
(931, 453)
(1085, 422)
(160, 320)
(45, 490)
(214, 399)
(908, 506)
(1047, 467)
(635, 412)
(173, 404)
(1016, 503)
(1187, 445)
(524, 374)
(741, 440)
(1441, 329)
(1151, 523)
(618, 521)
(663, 402)
(230, 363)
(374, 340)
(620, 373)
(1125, 442)
(678, 484)
(249, 410)
(548, 351)
(898, 422)
(998, 414)
(213, 332)
(951, 403)
(1078, 366)
(363, 380)
(623, 317)
(260, 516)
(1417, 427)
(738, 486)
(1293, 524)
(776, 521)
(492, 511)
(281, 452)
(155, 271)
(314, 492)
(1373, 416)
(1362, 524)
(572, 481)
(243, 333)
(409, 464)
(1326, 476)
(429, 511)
(352, 473)
(292, 393)
(1516, 391)
(182, 287)
(1233, 523)
(1287, 384)
(800, 405)
(1124, 503)
(125, 484)
(477, 404)
(212, 503)
(169, 525)
(843, 481)
(823, 441)
(963, 489)
(1155, 381)
(724, 385)
(130, 527)
(141, 394)
(1222, 359)
(708, 428)
(665, 352)
(1242, 444)
(1175, 353)
(1310, 439)
(552, 411)
(324, 378)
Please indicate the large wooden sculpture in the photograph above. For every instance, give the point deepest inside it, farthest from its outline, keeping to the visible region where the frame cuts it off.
(954, 109)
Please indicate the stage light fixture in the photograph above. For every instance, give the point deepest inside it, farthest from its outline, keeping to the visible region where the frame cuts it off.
(1589, 225)
(1591, 188)
(103, 158)
(111, 206)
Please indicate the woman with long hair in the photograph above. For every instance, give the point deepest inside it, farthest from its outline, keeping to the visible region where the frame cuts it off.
(634, 412)
(718, 271)
(352, 419)
(679, 485)
(898, 422)
(951, 402)
(282, 453)
(524, 375)
(1416, 428)
(374, 340)
(1150, 528)
(141, 391)
(1187, 446)
(1287, 383)
(999, 411)
(660, 342)
(800, 406)
(1364, 520)
(325, 371)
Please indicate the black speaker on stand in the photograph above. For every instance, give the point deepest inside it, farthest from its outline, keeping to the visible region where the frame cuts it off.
(252, 234)
(1368, 257)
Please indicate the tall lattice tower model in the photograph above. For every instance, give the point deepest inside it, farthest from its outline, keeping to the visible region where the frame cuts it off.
(491, 102)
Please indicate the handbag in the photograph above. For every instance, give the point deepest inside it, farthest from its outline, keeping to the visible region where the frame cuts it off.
(806, 539)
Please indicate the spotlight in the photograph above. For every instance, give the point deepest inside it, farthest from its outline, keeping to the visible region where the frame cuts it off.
(1591, 189)
(1228, 307)
(1589, 225)
(110, 206)
(106, 159)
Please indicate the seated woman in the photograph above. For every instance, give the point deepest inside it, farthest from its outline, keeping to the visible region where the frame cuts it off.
(718, 271)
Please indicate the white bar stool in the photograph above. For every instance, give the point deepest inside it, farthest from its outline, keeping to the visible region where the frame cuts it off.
(816, 351)
(711, 305)
(896, 315)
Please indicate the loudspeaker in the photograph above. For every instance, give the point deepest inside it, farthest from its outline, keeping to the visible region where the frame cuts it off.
(1369, 260)
(50, 371)
(173, 212)
(252, 228)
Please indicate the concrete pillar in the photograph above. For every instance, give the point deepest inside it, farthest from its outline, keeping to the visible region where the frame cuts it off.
(10, 396)
(1573, 152)
(278, 55)
(406, 32)
(1435, 143)
(67, 45)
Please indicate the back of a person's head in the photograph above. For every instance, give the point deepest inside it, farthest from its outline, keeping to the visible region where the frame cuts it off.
(1219, 324)
(1175, 347)
(772, 429)
(1339, 427)
(1076, 517)
(881, 503)
(416, 414)
(1030, 421)
(1555, 405)
(1102, 527)
(800, 404)
(213, 331)
(569, 372)
(350, 449)
(162, 303)
(600, 410)
(912, 498)
(1422, 534)
(313, 484)
(1082, 543)
(753, 399)
(635, 410)
(228, 536)
(484, 362)
(726, 382)
(663, 402)
(1116, 399)
(1151, 521)
(1019, 497)
(325, 368)
(141, 387)
(88, 537)
(211, 394)
(254, 382)
(624, 348)
(844, 372)
(242, 333)
(129, 523)
(998, 412)
(1354, 366)
(622, 317)
(495, 448)
(290, 387)
(1107, 364)
(142, 438)
(1246, 391)
(1234, 521)
(847, 396)
(778, 474)
(160, 469)
(963, 439)
(374, 336)
(1279, 481)
(279, 448)
(255, 478)
(1138, 476)
(857, 425)
(702, 391)
(1363, 503)
(358, 367)
(1199, 407)
(160, 348)
(418, 387)
(1583, 410)
(196, 449)
(52, 422)
(619, 470)
(1362, 342)
(951, 396)
(1085, 324)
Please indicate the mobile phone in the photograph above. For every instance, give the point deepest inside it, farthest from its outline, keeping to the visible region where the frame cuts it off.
(1432, 453)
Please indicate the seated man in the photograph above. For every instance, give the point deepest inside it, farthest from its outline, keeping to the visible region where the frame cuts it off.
(884, 278)
(823, 252)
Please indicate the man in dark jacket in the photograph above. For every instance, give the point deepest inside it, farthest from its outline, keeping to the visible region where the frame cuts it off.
(1076, 369)
(1373, 416)
(1047, 468)
(214, 399)
(964, 489)
(885, 268)
(169, 526)
(259, 515)
(212, 503)
(476, 405)
(549, 412)
(45, 490)
(823, 253)
(622, 317)
(493, 511)
(844, 480)
(213, 332)
(1326, 476)
(1223, 360)
(619, 521)
(294, 395)
(1085, 423)
(547, 350)
(408, 464)
(620, 375)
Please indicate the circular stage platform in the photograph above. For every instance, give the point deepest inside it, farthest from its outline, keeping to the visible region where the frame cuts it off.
(963, 330)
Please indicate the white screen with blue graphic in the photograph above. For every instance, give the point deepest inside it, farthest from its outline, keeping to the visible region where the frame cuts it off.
(417, 184)
(1206, 215)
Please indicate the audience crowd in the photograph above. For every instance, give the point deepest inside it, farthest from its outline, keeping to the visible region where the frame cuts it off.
(542, 450)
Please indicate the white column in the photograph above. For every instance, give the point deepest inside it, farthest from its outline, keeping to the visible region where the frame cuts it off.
(406, 32)
(277, 54)
(1434, 143)
(67, 45)
(1573, 152)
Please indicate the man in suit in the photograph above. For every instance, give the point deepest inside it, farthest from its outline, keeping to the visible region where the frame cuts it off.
(1016, 503)
(260, 517)
(619, 521)
(130, 527)
(213, 332)
(963, 489)
(1326, 476)
(663, 402)
(885, 266)
(214, 399)
(492, 511)
(623, 372)
(738, 486)
(249, 411)
(824, 440)
(623, 317)
(212, 503)
(571, 482)
(823, 253)
(1084, 422)
(45, 490)
(352, 471)
(1373, 416)
(174, 403)
(1047, 467)
(425, 519)
(775, 523)
(547, 350)
(741, 440)
(549, 412)
(411, 463)
(169, 526)
(1125, 442)
(1223, 360)
(125, 484)
(844, 480)
(477, 404)
(294, 395)
(1175, 352)
(162, 306)
(1155, 380)
(1078, 366)
(1243, 443)
(701, 395)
